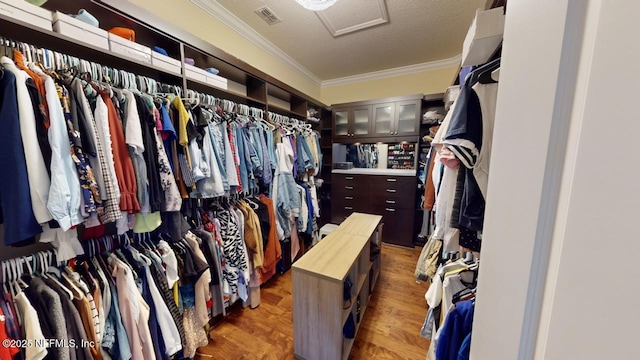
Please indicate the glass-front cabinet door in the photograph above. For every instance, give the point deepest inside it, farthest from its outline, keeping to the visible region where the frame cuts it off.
(383, 119)
(361, 121)
(341, 126)
(408, 119)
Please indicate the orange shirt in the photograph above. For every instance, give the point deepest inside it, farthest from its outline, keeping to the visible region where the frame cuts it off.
(273, 251)
(122, 161)
(430, 189)
(18, 58)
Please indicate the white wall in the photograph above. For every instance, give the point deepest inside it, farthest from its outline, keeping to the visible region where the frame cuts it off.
(593, 313)
(558, 273)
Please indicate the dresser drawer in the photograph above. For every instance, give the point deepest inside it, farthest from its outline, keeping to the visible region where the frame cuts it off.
(344, 179)
(395, 201)
(398, 225)
(392, 182)
(351, 197)
(347, 190)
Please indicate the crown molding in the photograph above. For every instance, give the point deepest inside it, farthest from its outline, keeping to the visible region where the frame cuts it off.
(223, 15)
(399, 71)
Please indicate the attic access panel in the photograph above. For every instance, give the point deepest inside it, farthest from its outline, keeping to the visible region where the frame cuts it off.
(346, 17)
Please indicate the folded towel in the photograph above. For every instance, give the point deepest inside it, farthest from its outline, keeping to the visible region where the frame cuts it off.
(124, 33)
(84, 16)
(189, 61)
(213, 71)
(160, 50)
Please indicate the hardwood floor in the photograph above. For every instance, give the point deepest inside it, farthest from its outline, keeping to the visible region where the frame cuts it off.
(390, 328)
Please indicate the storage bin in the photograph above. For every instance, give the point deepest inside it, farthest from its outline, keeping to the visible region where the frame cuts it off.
(27, 13)
(195, 73)
(217, 81)
(484, 36)
(80, 30)
(129, 49)
(166, 63)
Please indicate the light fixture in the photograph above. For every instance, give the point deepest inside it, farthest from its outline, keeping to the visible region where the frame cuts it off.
(316, 5)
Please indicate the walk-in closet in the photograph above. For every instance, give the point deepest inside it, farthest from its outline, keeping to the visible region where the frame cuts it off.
(318, 179)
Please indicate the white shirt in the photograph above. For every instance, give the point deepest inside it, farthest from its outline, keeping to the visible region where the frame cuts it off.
(444, 209)
(133, 138)
(31, 327)
(39, 182)
(446, 193)
(168, 328)
(65, 242)
(170, 261)
(101, 117)
(205, 162)
(487, 94)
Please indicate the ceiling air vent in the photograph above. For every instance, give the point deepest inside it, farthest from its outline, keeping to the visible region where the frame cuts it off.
(268, 15)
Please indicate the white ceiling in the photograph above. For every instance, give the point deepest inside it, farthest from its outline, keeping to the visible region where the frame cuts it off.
(417, 32)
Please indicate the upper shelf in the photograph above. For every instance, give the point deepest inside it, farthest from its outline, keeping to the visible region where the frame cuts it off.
(286, 112)
(229, 94)
(52, 40)
(246, 84)
(230, 67)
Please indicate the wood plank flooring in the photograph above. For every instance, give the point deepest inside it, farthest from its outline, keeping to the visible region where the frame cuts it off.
(390, 328)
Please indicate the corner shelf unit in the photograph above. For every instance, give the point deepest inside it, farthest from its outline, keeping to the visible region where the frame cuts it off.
(319, 312)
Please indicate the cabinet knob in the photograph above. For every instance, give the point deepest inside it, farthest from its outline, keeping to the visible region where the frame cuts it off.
(390, 201)
(392, 190)
(348, 208)
(349, 187)
(392, 180)
(348, 197)
(348, 177)
(390, 209)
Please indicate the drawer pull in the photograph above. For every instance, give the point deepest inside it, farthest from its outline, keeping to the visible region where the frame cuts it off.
(349, 187)
(348, 208)
(392, 180)
(390, 209)
(348, 177)
(348, 197)
(392, 190)
(390, 201)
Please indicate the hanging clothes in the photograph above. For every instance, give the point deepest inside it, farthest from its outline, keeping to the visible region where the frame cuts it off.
(20, 224)
(39, 182)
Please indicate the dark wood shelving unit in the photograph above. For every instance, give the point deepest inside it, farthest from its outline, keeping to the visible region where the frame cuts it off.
(256, 89)
(206, 88)
(39, 37)
(286, 112)
(247, 85)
